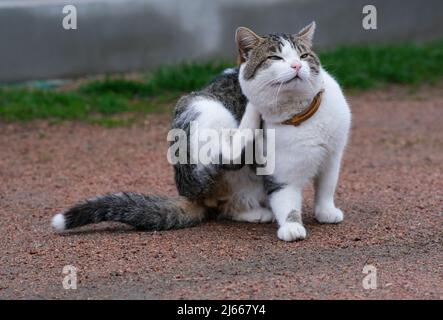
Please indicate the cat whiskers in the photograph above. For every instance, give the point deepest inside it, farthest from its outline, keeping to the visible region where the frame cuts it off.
(277, 80)
(262, 84)
(276, 96)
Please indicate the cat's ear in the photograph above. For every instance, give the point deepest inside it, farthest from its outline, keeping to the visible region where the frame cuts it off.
(307, 33)
(246, 41)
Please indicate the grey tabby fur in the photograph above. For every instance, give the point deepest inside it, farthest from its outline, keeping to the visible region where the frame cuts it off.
(202, 189)
(194, 186)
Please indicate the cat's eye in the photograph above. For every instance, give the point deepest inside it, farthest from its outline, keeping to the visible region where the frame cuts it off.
(304, 55)
(275, 58)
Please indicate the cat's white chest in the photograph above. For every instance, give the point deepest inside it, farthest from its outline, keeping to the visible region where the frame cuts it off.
(298, 151)
(301, 150)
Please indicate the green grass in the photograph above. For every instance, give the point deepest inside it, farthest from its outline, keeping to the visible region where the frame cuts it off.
(178, 78)
(104, 101)
(369, 67)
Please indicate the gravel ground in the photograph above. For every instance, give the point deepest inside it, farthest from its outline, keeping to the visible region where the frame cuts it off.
(390, 190)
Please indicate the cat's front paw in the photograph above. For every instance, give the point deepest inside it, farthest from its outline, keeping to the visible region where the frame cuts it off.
(329, 215)
(291, 231)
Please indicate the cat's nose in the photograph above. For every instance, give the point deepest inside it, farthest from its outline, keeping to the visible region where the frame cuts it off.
(296, 66)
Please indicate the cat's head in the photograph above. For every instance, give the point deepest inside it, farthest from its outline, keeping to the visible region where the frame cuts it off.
(284, 62)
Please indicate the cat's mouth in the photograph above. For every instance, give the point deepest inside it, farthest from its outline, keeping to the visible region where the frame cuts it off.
(294, 78)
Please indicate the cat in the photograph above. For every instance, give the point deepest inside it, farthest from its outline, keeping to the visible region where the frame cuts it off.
(279, 85)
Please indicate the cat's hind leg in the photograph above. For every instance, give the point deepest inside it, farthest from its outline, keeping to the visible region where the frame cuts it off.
(247, 201)
(255, 215)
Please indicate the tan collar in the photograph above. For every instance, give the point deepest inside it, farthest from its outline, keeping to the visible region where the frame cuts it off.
(309, 112)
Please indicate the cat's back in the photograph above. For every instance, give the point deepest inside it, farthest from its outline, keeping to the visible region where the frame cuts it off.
(335, 113)
(224, 89)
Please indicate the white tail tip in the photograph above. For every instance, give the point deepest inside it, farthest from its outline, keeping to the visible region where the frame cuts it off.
(58, 222)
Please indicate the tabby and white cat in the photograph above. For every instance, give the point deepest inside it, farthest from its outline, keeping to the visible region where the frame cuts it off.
(279, 85)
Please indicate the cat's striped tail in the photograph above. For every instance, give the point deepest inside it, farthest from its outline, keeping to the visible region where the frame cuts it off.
(141, 211)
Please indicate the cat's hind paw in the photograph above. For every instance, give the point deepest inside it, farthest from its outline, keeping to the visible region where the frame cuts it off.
(291, 231)
(329, 215)
(257, 215)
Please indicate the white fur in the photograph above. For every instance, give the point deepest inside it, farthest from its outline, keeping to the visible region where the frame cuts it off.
(247, 191)
(229, 71)
(291, 231)
(211, 115)
(256, 215)
(312, 150)
(246, 188)
(267, 93)
(231, 152)
(58, 222)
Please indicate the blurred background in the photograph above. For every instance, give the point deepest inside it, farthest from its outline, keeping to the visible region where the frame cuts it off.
(133, 35)
(87, 111)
